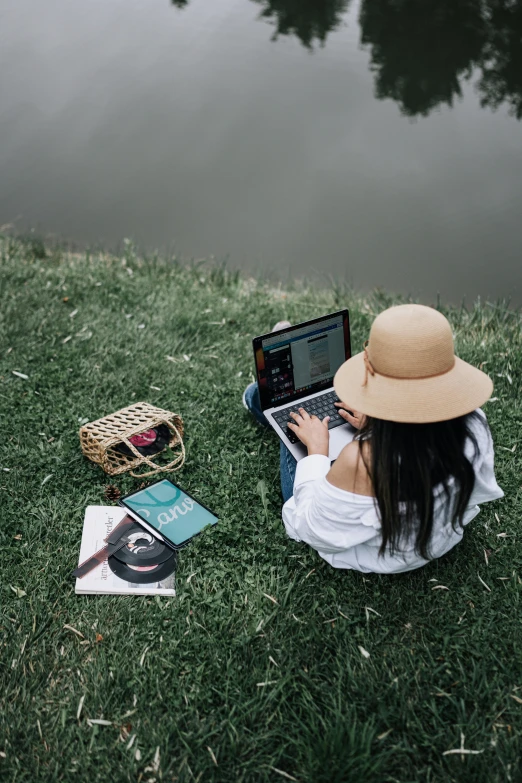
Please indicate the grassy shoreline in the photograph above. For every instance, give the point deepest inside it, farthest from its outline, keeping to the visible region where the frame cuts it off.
(227, 684)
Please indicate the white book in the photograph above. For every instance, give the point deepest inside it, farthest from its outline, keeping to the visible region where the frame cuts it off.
(98, 523)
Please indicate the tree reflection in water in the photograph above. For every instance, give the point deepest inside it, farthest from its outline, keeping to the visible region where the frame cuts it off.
(422, 51)
(501, 64)
(309, 20)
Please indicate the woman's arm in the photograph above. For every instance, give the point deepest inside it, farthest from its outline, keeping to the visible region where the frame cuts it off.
(320, 516)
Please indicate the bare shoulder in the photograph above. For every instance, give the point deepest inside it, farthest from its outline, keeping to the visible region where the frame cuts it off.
(349, 471)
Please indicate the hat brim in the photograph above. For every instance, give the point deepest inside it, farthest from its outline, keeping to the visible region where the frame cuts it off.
(413, 400)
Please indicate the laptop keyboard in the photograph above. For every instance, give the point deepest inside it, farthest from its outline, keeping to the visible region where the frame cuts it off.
(319, 406)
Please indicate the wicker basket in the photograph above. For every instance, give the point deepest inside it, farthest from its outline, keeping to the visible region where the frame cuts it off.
(99, 438)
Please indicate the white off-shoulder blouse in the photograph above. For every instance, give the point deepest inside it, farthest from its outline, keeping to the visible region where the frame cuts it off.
(344, 527)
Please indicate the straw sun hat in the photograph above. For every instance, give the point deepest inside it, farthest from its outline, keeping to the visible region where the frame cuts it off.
(408, 371)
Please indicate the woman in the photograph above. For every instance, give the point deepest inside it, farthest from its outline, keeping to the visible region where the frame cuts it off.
(401, 493)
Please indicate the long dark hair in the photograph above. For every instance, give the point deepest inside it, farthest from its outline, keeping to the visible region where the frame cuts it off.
(406, 463)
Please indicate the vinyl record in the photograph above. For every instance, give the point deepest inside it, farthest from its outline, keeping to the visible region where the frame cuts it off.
(147, 443)
(142, 548)
(143, 575)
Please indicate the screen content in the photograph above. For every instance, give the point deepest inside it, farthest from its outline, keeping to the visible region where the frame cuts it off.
(301, 361)
(170, 511)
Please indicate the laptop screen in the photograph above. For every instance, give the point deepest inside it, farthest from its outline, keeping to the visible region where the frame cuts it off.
(301, 360)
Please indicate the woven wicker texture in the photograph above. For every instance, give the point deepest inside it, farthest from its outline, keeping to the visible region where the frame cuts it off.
(99, 438)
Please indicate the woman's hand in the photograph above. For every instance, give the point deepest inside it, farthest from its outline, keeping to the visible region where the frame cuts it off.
(354, 418)
(311, 431)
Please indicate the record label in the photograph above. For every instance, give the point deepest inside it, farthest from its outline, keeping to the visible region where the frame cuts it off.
(142, 548)
(147, 443)
(144, 558)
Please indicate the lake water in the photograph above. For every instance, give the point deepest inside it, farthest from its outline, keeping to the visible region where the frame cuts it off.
(379, 142)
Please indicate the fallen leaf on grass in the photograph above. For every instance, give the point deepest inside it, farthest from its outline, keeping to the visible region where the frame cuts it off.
(155, 764)
(137, 755)
(18, 591)
(462, 750)
(364, 653)
(440, 587)
(99, 637)
(20, 375)
(283, 773)
(84, 335)
(485, 585)
(516, 698)
(74, 630)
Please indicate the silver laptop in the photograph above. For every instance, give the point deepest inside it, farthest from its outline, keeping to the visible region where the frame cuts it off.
(295, 369)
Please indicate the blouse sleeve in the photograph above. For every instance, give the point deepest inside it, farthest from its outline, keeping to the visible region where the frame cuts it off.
(313, 515)
(486, 487)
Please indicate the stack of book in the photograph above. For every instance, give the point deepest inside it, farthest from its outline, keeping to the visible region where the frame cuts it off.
(132, 549)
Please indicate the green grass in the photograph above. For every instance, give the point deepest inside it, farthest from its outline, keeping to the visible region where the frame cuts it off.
(183, 674)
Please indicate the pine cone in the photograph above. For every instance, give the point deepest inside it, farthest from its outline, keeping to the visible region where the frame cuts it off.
(112, 492)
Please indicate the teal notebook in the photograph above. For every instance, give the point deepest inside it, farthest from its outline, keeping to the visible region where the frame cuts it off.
(169, 510)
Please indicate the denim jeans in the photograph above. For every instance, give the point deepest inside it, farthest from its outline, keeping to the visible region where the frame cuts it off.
(286, 461)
